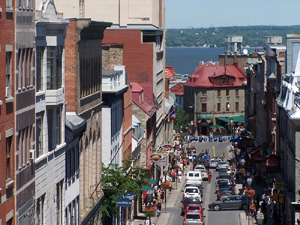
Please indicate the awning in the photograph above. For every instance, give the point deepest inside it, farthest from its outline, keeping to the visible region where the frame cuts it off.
(216, 126)
(203, 116)
(146, 188)
(233, 118)
(152, 181)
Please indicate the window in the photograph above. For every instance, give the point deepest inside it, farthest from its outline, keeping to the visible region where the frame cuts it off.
(227, 106)
(227, 92)
(219, 107)
(58, 126)
(8, 151)
(219, 93)
(8, 3)
(40, 210)
(237, 107)
(59, 203)
(203, 106)
(39, 134)
(54, 67)
(8, 75)
(39, 68)
(203, 93)
(237, 92)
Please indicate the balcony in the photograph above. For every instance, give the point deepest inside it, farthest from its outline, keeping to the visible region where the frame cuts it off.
(114, 81)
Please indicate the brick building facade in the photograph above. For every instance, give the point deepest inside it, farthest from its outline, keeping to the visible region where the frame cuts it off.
(83, 73)
(7, 136)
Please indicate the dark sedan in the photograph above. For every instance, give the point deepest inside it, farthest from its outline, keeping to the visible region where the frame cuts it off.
(230, 202)
(188, 201)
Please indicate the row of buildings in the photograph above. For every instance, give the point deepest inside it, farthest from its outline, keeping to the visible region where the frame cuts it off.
(259, 90)
(78, 88)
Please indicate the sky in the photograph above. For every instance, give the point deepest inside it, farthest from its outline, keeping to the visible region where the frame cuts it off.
(223, 13)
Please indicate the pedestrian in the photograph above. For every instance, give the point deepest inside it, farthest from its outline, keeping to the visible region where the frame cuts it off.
(257, 201)
(179, 175)
(252, 210)
(147, 222)
(272, 207)
(209, 176)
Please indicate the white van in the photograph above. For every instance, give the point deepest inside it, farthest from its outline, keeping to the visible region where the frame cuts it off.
(194, 177)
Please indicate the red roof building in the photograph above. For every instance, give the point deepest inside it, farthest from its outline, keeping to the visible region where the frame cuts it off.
(202, 64)
(169, 70)
(178, 90)
(215, 95)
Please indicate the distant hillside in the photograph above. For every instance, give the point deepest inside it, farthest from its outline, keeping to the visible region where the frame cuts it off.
(214, 36)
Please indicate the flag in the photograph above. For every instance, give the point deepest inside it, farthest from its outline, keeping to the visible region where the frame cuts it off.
(173, 116)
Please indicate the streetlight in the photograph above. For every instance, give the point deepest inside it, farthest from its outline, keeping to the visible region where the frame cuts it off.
(249, 182)
(243, 163)
(231, 123)
(165, 172)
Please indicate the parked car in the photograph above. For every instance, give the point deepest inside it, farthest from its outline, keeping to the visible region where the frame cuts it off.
(221, 164)
(199, 186)
(195, 208)
(194, 177)
(191, 191)
(194, 218)
(230, 202)
(187, 201)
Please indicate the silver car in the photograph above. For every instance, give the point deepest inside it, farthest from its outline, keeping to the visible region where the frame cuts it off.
(213, 163)
(194, 218)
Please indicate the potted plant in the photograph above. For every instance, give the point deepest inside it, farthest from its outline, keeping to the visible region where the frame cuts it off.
(149, 212)
(176, 167)
(183, 156)
(166, 185)
(249, 193)
(242, 171)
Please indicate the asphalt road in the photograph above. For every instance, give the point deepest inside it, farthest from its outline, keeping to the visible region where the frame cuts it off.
(229, 217)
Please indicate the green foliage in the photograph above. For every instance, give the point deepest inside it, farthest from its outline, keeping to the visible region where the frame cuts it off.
(182, 120)
(117, 180)
(214, 36)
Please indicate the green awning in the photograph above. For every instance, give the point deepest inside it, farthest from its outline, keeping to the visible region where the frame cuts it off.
(203, 116)
(146, 188)
(152, 181)
(216, 126)
(234, 118)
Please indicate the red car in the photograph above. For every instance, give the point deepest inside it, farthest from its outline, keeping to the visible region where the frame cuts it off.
(193, 148)
(194, 208)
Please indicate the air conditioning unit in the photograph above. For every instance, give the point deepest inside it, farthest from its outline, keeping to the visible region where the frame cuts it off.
(31, 154)
(6, 92)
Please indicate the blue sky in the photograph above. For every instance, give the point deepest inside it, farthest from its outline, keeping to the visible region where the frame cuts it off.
(207, 13)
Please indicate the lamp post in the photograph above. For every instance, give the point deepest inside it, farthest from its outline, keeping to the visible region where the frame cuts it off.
(165, 171)
(231, 123)
(249, 182)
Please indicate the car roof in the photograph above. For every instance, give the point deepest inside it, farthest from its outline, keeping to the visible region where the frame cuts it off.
(194, 185)
(191, 187)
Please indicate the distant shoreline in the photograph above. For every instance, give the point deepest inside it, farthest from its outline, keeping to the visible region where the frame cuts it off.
(206, 47)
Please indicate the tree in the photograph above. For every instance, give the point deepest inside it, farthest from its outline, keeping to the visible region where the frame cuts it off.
(117, 180)
(182, 120)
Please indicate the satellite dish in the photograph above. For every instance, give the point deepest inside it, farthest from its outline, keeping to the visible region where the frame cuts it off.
(245, 52)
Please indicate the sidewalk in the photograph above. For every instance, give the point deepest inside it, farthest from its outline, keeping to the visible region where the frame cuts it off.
(165, 216)
(243, 216)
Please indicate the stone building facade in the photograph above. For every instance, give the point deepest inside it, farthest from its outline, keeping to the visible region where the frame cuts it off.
(83, 72)
(215, 95)
(50, 115)
(24, 102)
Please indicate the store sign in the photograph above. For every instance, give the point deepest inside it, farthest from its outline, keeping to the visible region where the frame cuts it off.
(124, 202)
(273, 164)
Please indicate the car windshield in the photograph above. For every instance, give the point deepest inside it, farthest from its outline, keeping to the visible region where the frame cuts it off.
(197, 174)
(223, 170)
(192, 201)
(191, 190)
(224, 177)
(221, 163)
(194, 208)
(193, 216)
(191, 174)
(213, 161)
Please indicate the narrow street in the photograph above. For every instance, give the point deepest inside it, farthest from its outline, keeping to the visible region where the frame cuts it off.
(211, 217)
